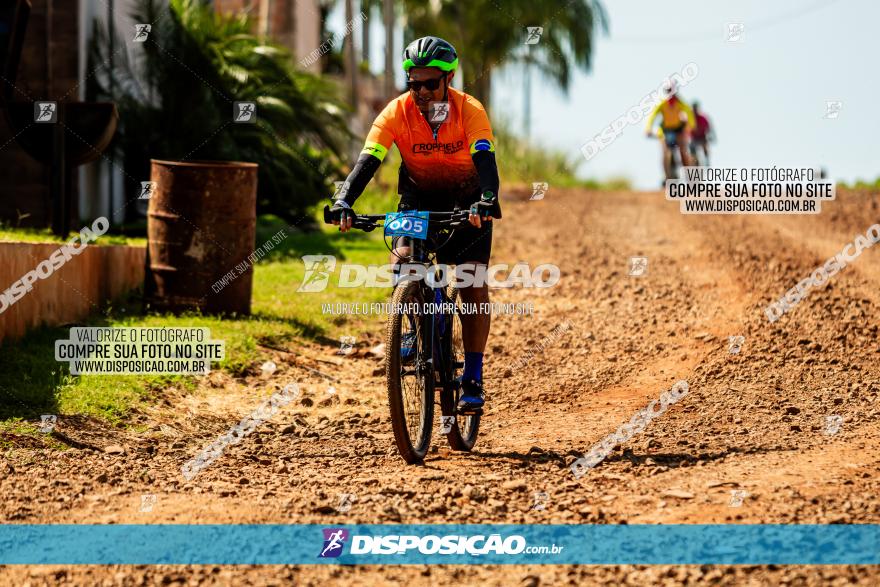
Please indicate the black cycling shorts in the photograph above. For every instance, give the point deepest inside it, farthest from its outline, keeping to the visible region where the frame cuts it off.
(467, 244)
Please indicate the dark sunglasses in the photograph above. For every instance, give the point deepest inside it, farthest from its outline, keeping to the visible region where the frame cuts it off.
(430, 84)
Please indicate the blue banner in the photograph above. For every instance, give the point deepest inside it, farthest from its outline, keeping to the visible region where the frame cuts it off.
(686, 544)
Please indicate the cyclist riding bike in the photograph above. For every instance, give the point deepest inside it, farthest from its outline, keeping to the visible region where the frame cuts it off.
(448, 151)
(701, 136)
(677, 120)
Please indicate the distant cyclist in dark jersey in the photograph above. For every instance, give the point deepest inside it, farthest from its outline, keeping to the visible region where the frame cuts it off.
(448, 151)
(701, 136)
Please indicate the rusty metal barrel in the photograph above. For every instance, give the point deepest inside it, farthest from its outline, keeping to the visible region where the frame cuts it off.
(201, 228)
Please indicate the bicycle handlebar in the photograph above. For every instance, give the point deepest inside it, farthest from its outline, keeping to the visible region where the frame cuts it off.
(368, 222)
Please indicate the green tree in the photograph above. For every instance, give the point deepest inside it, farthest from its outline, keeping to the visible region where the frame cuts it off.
(175, 97)
(491, 33)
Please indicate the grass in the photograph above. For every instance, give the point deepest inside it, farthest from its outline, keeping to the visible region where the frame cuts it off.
(861, 184)
(33, 383)
(613, 183)
(17, 427)
(8, 234)
(520, 161)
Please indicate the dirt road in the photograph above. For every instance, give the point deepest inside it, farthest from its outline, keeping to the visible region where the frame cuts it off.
(784, 431)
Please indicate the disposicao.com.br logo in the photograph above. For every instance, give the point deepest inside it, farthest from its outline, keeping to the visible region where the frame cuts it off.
(431, 544)
(334, 541)
(319, 268)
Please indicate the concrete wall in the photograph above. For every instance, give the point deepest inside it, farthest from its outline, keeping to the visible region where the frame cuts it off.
(80, 287)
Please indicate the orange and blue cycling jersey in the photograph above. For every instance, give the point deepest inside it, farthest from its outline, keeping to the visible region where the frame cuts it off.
(438, 160)
(444, 166)
(675, 115)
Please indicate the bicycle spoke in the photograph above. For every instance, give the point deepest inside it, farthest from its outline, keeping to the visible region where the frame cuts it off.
(411, 384)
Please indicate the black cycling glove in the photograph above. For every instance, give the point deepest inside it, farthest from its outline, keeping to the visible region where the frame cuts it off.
(487, 206)
(341, 209)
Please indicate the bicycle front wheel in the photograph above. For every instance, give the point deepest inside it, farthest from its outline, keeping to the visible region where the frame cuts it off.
(409, 373)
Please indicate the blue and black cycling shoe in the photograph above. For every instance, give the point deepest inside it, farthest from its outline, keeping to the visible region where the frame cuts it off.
(408, 347)
(472, 397)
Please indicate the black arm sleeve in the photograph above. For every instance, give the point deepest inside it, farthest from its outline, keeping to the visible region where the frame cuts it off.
(360, 176)
(487, 171)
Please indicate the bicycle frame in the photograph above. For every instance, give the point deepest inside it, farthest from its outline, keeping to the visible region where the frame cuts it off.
(434, 323)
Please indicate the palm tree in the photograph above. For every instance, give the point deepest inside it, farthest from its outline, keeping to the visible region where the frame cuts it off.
(367, 7)
(351, 60)
(488, 34)
(388, 20)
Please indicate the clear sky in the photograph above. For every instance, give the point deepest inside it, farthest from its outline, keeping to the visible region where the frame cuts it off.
(765, 95)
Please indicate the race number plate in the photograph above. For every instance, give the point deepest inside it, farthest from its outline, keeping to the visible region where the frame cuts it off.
(413, 224)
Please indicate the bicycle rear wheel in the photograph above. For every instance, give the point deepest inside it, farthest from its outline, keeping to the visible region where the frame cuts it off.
(463, 433)
(410, 382)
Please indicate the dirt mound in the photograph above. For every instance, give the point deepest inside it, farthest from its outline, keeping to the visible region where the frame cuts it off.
(784, 429)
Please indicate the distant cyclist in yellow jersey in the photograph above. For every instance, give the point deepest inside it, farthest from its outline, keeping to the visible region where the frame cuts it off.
(677, 121)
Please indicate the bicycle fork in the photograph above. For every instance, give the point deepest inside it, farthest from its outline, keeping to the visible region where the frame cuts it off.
(441, 334)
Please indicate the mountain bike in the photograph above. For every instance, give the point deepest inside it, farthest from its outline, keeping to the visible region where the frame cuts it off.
(424, 348)
(671, 155)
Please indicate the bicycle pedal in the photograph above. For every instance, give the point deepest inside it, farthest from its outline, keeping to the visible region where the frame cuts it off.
(469, 412)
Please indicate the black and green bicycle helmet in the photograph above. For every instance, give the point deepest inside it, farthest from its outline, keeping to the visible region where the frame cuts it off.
(430, 52)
